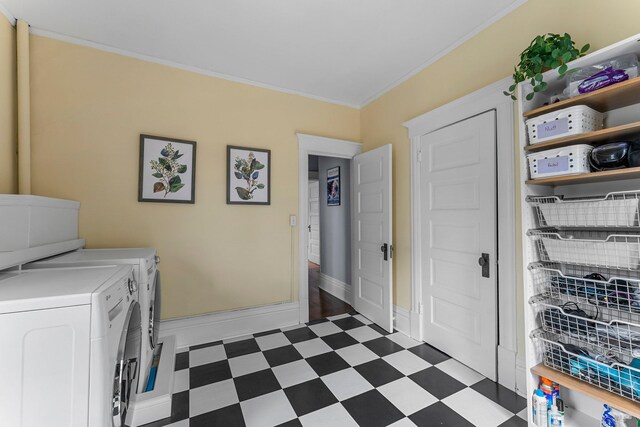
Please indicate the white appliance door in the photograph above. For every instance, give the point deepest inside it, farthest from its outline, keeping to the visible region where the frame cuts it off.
(458, 210)
(314, 222)
(371, 236)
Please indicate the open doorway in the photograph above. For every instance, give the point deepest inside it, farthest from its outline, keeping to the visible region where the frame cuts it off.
(329, 236)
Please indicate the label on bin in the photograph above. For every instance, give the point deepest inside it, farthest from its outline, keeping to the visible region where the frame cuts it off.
(554, 164)
(556, 127)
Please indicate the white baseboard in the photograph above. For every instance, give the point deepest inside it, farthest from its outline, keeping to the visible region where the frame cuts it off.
(336, 288)
(229, 324)
(507, 367)
(521, 376)
(401, 320)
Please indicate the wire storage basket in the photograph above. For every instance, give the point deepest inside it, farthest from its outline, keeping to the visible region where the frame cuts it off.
(616, 209)
(608, 289)
(588, 363)
(593, 248)
(590, 325)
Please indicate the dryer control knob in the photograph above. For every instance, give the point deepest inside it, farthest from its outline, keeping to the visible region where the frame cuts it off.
(133, 286)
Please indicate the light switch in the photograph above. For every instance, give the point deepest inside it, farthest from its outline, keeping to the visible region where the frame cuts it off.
(293, 220)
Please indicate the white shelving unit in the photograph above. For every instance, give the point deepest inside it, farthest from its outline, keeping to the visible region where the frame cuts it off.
(599, 222)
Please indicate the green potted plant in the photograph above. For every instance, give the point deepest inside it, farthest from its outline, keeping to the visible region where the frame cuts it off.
(546, 52)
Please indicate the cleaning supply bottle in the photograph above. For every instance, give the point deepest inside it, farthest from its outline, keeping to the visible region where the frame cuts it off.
(556, 414)
(540, 408)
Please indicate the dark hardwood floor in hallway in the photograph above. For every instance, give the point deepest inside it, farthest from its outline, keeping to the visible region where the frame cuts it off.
(321, 303)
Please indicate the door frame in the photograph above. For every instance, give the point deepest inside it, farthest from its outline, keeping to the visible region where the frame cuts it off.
(488, 98)
(319, 146)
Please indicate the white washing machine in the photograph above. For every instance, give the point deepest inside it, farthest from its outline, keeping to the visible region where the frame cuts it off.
(144, 262)
(70, 346)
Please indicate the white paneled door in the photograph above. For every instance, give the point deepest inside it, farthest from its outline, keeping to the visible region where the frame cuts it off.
(371, 236)
(314, 222)
(458, 209)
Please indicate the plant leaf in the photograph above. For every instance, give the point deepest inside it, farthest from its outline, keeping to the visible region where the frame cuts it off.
(158, 187)
(177, 156)
(255, 175)
(164, 152)
(182, 168)
(243, 193)
(566, 57)
(563, 69)
(175, 187)
(157, 175)
(585, 48)
(175, 180)
(529, 96)
(538, 77)
(238, 175)
(163, 161)
(259, 166)
(260, 186)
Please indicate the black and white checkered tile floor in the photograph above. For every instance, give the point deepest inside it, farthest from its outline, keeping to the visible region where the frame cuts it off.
(341, 371)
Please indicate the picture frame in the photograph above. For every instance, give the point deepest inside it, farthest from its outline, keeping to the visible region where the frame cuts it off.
(333, 186)
(248, 176)
(167, 170)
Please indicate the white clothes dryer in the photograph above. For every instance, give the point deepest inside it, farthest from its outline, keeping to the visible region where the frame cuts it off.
(70, 346)
(144, 262)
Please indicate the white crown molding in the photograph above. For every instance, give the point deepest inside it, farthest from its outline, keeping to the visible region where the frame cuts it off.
(229, 324)
(495, 18)
(105, 48)
(4, 11)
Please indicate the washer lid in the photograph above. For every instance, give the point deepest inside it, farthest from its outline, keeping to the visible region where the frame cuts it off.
(53, 288)
(102, 256)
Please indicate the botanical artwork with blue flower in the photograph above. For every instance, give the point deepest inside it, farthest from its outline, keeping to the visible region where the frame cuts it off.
(333, 186)
(249, 173)
(167, 170)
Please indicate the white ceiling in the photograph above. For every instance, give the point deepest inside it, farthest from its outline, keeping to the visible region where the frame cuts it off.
(344, 51)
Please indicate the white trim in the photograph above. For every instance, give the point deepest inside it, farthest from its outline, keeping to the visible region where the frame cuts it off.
(320, 146)
(401, 320)
(229, 324)
(337, 288)
(488, 98)
(4, 11)
(495, 18)
(86, 43)
(521, 375)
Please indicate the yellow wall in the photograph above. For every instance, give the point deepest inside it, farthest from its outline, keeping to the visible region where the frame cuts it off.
(89, 108)
(8, 108)
(486, 58)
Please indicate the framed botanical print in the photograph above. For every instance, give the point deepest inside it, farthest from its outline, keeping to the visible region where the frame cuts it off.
(333, 186)
(248, 176)
(167, 170)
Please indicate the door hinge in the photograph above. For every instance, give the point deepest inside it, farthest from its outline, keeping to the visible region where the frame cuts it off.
(419, 156)
(420, 308)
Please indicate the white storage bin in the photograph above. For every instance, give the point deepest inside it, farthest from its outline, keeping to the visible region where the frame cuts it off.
(617, 209)
(29, 221)
(620, 251)
(566, 122)
(560, 161)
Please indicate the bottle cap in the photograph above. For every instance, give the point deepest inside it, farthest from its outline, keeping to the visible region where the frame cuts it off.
(539, 393)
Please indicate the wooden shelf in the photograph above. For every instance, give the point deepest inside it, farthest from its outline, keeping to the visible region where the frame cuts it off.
(602, 135)
(608, 98)
(587, 178)
(625, 405)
